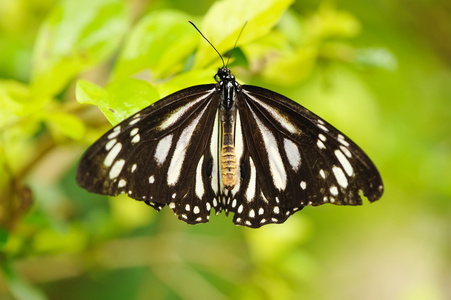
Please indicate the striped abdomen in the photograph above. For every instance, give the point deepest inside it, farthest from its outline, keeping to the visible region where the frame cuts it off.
(228, 161)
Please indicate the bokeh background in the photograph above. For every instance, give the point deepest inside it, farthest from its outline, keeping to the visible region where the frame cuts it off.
(378, 70)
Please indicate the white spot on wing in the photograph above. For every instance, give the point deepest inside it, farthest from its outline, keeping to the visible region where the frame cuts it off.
(292, 152)
(250, 192)
(345, 151)
(320, 144)
(199, 182)
(342, 140)
(233, 203)
(340, 176)
(175, 167)
(239, 149)
(162, 149)
(116, 168)
(276, 165)
(344, 162)
(180, 112)
(110, 144)
(111, 156)
(115, 133)
(134, 121)
(122, 183)
(263, 197)
(303, 185)
(134, 131)
(334, 190)
(136, 139)
(322, 127)
(214, 146)
(277, 115)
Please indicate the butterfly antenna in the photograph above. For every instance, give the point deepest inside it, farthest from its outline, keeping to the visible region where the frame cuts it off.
(236, 42)
(223, 64)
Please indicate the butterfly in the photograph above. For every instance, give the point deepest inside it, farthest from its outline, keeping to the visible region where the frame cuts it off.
(228, 147)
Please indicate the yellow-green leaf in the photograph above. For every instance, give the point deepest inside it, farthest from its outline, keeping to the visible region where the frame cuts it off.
(157, 46)
(75, 35)
(120, 99)
(226, 18)
(65, 124)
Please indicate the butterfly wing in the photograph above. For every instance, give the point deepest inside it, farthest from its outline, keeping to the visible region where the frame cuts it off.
(165, 154)
(291, 158)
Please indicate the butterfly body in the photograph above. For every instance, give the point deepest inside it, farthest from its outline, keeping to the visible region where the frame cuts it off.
(225, 146)
(228, 89)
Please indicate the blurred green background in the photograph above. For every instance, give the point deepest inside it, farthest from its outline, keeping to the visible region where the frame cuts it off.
(378, 70)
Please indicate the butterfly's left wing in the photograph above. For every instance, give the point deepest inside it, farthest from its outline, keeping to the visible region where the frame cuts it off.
(165, 154)
(288, 157)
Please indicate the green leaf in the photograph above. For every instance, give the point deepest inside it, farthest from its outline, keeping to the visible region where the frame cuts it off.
(17, 100)
(90, 93)
(159, 45)
(120, 99)
(226, 18)
(329, 22)
(18, 119)
(77, 34)
(187, 79)
(296, 48)
(289, 69)
(65, 124)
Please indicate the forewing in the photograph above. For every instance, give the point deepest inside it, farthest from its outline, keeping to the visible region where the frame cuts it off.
(293, 158)
(161, 155)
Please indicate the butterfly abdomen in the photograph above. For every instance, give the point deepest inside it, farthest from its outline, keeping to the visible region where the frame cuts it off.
(228, 157)
(228, 166)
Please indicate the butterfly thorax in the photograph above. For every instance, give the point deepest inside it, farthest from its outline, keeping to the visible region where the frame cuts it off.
(228, 89)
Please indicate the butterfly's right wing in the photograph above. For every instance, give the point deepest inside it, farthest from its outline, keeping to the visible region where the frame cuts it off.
(288, 158)
(164, 154)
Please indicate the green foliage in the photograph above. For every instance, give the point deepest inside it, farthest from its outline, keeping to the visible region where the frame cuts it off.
(158, 44)
(119, 99)
(225, 19)
(356, 65)
(74, 36)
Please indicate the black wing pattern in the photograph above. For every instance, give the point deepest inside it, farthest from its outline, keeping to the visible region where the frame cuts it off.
(288, 158)
(161, 155)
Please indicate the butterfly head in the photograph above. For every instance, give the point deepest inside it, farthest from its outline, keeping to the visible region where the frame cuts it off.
(224, 74)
